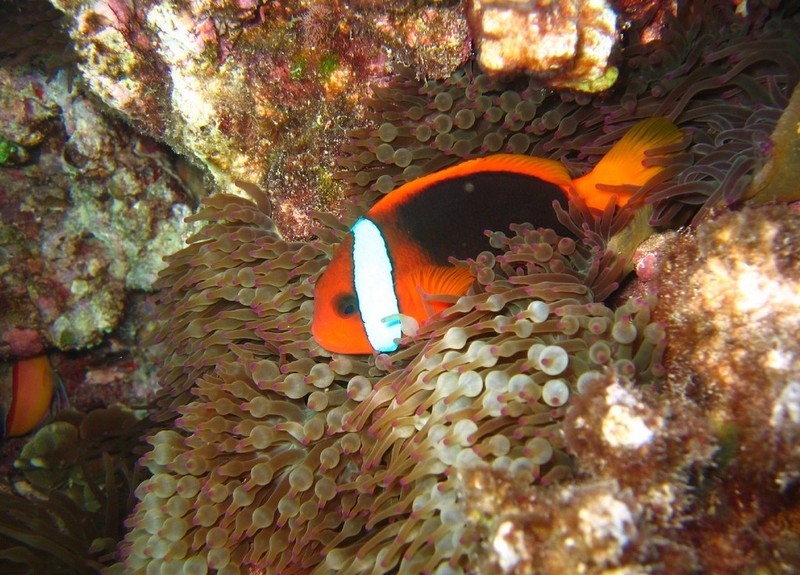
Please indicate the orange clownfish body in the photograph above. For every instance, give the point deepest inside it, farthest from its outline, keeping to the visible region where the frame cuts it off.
(28, 389)
(399, 250)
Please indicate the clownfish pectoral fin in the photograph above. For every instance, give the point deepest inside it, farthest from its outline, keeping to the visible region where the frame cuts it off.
(443, 280)
(434, 281)
(624, 165)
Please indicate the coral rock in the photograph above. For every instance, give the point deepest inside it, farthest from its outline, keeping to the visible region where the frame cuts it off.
(731, 295)
(595, 528)
(253, 91)
(90, 218)
(731, 299)
(567, 43)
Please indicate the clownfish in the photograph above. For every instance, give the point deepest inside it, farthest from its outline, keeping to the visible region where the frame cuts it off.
(398, 251)
(28, 389)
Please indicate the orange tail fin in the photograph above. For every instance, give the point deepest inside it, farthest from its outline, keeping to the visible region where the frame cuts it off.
(623, 164)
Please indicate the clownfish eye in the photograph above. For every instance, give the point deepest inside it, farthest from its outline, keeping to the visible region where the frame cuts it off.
(346, 305)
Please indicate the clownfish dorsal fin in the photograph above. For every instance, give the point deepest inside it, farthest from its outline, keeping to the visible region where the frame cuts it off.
(551, 171)
(623, 164)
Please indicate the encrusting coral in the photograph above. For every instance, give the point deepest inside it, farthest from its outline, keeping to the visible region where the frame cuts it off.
(290, 460)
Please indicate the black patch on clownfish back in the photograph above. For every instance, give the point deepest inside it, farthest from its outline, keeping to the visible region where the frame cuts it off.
(449, 217)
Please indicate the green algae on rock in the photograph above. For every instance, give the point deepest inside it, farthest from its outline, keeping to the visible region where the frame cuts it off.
(12, 154)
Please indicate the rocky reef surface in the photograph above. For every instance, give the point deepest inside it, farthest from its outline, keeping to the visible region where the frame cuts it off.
(257, 92)
(89, 219)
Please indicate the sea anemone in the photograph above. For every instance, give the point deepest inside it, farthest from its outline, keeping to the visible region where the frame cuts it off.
(71, 487)
(49, 535)
(286, 458)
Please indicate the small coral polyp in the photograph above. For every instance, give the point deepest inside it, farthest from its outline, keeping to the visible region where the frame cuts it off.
(287, 459)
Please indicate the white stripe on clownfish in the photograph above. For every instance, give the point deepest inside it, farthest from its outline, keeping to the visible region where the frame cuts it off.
(374, 286)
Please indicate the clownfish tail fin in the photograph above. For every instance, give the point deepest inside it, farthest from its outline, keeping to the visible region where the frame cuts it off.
(631, 163)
